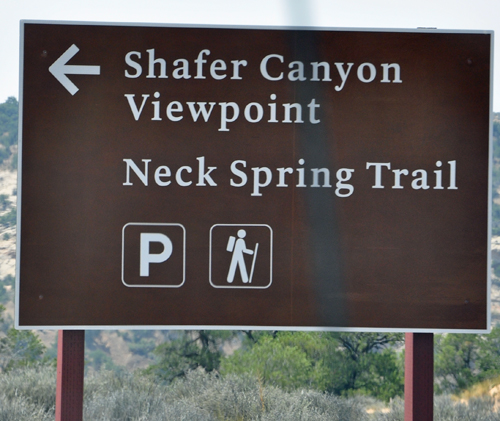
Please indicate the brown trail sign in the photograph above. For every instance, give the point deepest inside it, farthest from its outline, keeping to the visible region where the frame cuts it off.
(266, 178)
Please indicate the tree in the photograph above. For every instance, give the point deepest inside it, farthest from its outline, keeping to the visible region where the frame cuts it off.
(9, 112)
(289, 360)
(341, 363)
(462, 360)
(366, 363)
(489, 354)
(20, 348)
(190, 350)
(9, 219)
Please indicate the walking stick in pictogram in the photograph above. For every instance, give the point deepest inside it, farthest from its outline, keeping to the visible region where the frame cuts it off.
(253, 263)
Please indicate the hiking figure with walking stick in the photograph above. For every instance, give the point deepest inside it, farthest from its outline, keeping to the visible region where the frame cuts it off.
(239, 248)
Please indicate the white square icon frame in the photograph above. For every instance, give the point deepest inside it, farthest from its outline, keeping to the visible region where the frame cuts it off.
(247, 285)
(146, 224)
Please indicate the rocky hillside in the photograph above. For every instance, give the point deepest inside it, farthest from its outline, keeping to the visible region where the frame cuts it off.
(8, 192)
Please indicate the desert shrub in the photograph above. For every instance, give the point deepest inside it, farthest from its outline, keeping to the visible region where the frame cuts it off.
(6, 293)
(448, 409)
(9, 219)
(21, 409)
(397, 411)
(30, 388)
(28, 393)
(9, 115)
(184, 411)
(207, 396)
(113, 395)
(476, 409)
(231, 397)
(246, 398)
(4, 202)
(307, 405)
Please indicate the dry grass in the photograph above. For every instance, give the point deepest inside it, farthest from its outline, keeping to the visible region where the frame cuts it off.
(29, 394)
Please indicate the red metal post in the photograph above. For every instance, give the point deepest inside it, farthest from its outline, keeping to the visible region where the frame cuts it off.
(70, 365)
(419, 376)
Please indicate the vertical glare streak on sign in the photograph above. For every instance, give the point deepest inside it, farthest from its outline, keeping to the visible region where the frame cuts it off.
(254, 178)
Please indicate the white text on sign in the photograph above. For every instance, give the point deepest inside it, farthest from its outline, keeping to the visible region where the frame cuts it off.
(384, 175)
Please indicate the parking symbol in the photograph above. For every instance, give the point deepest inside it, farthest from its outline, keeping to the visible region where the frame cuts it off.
(153, 255)
(241, 256)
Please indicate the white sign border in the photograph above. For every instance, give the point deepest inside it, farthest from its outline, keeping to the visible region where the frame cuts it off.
(257, 27)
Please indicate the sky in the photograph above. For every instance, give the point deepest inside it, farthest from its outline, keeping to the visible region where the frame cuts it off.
(387, 14)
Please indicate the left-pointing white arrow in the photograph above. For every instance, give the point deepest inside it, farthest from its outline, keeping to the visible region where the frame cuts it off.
(60, 69)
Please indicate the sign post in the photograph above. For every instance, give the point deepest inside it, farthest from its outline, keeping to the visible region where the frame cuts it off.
(255, 178)
(419, 376)
(70, 372)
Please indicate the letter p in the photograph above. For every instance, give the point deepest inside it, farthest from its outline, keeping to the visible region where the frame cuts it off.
(146, 257)
(224, 119)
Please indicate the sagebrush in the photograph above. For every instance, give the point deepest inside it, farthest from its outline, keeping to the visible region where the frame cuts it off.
(28, 393)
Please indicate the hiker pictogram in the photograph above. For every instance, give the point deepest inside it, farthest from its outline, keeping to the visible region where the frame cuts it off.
(241, 256)
(239, 248)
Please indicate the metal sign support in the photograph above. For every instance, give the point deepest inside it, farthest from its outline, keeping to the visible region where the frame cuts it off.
(419, 376)
(70, 366)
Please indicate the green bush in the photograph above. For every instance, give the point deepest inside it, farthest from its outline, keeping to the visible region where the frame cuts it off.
(6, 294)
(99, 360)
(9, 112)
(9, 219)
(345, 364)
(20, 348)
(282, 361)
(189, 350)
(4, 202)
